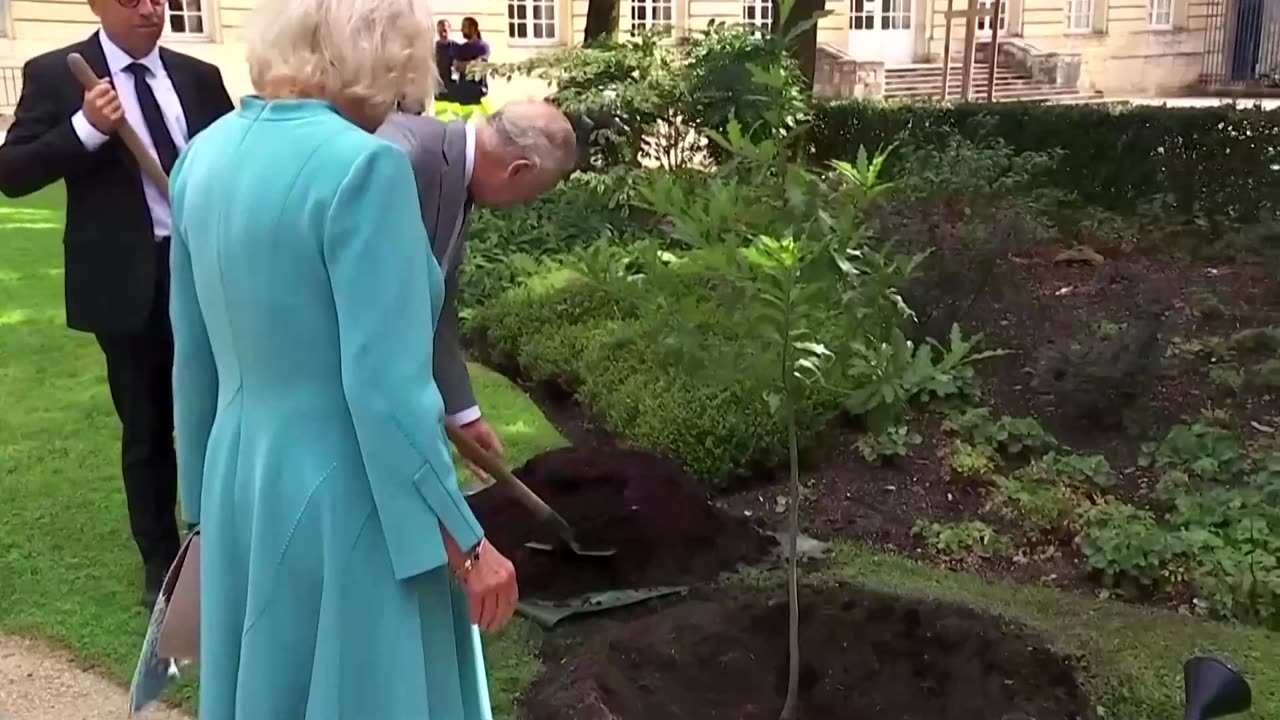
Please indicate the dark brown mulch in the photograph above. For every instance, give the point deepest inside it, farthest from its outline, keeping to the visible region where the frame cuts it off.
(1041, 302)
(879, 504)
(866, 655)
(645, 506)
(1032, 302)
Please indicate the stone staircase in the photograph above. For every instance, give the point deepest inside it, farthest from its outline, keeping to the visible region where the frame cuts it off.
(924, 82)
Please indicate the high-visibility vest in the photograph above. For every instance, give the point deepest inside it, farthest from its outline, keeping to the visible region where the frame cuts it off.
(445, 110)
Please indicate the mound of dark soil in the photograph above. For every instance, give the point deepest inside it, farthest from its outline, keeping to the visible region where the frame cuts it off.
(865, 656)
(645, 506)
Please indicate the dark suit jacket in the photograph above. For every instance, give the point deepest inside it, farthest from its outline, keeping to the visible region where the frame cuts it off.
(438, 153)
(111, 262)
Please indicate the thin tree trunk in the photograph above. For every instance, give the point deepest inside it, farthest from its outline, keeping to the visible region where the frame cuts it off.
(602, 22)
(803, 47)
(791, 708)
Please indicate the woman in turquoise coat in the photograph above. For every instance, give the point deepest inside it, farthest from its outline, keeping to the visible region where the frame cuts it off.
(343, 574)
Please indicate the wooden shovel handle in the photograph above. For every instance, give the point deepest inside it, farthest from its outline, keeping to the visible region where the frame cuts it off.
(477, 455)
(146, 160)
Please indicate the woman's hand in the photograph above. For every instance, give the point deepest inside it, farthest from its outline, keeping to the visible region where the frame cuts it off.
(489, 581)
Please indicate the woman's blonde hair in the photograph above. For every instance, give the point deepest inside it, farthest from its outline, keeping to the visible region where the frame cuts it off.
(371, 53)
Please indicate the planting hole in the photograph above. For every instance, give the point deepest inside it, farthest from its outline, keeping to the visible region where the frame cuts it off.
(723, 656)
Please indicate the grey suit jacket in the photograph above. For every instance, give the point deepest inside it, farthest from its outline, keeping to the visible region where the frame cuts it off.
(438, 152)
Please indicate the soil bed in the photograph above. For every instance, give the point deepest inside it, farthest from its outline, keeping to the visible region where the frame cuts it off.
(866, 655)
(645, 506)
(1037, 301)
(1031, 301)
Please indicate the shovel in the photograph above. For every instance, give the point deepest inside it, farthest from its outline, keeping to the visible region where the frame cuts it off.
(548, 520)
(146, 162)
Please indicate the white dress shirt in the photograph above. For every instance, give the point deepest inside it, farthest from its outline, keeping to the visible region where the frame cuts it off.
(472, 413)
(170, 108)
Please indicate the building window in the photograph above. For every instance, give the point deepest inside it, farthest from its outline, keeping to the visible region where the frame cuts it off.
(652, 15)
(895, 15)
(863, 16)
(4, 18)
(1080, 15)
(532, 21)
(186, 17)
(984, 21)
(758, 13)
(1160, 13)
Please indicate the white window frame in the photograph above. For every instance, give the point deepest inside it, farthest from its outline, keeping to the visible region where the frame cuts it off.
(1079, 16)
(184, 11)
(664, 7)
(898, 17)
(761, 9)
(862, 14)
(1160, 14)
(535, 22)
(984, 21)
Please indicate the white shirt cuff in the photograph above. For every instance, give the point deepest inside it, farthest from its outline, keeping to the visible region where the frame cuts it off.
(466, 417)
(90, 136)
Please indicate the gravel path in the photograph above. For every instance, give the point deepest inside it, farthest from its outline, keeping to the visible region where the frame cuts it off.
(37, 683)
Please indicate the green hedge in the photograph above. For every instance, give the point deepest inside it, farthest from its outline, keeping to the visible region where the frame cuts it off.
(1213, 164)
(558, 326)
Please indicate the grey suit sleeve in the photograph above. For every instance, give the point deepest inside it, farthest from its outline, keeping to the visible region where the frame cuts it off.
(450, 364)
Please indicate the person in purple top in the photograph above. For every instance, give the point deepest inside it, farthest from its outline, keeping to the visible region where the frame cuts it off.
(467, 90)
(446, 49)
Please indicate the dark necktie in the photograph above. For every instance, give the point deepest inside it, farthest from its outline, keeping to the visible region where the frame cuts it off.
(166, 150)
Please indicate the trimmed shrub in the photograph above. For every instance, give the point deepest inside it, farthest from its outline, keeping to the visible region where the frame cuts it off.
(1214, 164)
(540, 311)
(560, 327)
(507, 245)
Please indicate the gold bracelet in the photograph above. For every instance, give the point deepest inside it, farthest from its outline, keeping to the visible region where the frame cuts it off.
(472, 560)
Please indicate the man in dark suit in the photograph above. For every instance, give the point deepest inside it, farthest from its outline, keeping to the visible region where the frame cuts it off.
(510, 158)
(116, 239)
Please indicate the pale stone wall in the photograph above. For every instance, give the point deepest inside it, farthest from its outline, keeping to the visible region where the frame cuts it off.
(31, 27)
(1120, 55)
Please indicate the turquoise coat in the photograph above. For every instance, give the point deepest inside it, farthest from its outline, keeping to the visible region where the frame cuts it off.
(311, 448)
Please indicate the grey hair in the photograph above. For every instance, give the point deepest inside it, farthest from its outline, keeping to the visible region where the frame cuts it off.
(371, 52)
(538, 132)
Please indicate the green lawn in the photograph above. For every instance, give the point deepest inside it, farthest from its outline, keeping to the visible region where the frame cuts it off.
(68, 570)
(1133, 656)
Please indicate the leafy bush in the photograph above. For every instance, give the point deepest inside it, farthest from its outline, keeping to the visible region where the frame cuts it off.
(630, 90)
(1086, 471)
(889, 375)
(1123, 542)
(719, 431)
(959, 541)
(544, 306)
(1256, 341)
(1213, 164)
(507, 245)
(977, 176)
(1008, 434)
(975, 462)
(728, 79)
(1213, 530)
(670, 338)
(891, 443)
(647, 99)
(603, 341)
(1042, 507)
(1201, 449)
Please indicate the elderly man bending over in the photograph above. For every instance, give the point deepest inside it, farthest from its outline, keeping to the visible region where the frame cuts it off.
(512, 157)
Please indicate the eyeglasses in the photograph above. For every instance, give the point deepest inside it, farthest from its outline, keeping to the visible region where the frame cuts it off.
(131, 4)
